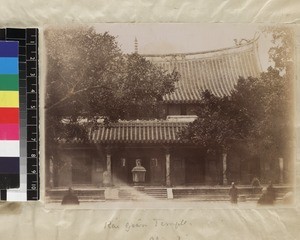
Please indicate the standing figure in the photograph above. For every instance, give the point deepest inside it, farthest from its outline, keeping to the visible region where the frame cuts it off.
(233, 193)
(70, 198)
(269, 196)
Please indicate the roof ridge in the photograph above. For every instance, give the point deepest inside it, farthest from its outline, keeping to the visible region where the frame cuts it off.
(250, 42)
(143, 122)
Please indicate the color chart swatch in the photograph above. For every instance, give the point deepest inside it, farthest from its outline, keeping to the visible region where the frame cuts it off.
(20, 102)
(9, 115)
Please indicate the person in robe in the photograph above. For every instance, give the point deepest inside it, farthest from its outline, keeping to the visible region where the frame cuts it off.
(70, 198)
(233, 193)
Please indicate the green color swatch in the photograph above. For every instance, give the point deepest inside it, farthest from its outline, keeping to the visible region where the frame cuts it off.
(9, 82)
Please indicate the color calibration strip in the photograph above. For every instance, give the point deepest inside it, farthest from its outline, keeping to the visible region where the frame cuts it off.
(9, 115)
(28, 114)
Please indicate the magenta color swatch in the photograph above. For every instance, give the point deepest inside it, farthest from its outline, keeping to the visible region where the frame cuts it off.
(9, 132)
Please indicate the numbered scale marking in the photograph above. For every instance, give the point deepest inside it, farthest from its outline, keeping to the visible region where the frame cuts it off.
(32, 114)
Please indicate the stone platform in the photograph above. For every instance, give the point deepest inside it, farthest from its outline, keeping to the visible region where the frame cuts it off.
(146, 193)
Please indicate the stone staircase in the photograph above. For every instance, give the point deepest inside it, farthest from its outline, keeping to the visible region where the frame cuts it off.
(142, 193)
(130, 194)
(158, 193)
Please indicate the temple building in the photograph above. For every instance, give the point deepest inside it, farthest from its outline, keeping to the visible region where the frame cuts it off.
(110, 154)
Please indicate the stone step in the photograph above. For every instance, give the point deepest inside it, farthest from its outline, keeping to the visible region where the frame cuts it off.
(216, 197)
(57, 195)
(182, 193)
(157, 193)
(226, 190)
(80, 200)
(143, 193)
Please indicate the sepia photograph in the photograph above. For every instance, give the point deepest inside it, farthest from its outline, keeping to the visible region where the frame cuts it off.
(181, 114)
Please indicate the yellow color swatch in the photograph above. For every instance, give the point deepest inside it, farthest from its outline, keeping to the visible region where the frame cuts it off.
(9, 99)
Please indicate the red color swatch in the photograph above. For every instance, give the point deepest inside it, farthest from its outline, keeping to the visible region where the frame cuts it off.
(9, 115)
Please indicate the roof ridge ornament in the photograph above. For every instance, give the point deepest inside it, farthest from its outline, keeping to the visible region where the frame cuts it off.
(245, 41)
(242, 42)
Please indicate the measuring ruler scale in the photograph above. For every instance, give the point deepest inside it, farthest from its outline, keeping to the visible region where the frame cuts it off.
(28, 115)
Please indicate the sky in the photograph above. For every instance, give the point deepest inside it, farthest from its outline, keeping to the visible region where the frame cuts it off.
(166, 38)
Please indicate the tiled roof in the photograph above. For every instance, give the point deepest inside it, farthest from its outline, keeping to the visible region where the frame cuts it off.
(138, 132)
(217, 71)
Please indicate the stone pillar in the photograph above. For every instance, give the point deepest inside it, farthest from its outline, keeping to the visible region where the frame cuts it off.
(224, 158)
(281, 170)
(168, 168)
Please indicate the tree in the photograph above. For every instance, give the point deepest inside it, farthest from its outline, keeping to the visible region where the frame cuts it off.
(272, 129)
(79, 61)
(220, 121)
(88, 77)
(281, 54)
(279, 82)
(136, 93)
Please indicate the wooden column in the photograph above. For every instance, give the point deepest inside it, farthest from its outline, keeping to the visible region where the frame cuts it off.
(51, 172)
(168, 167)
(224, 158)
(281, 170)
(207, 177)
(108, 165)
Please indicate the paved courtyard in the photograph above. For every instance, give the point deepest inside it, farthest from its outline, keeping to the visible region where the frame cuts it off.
(166, 204)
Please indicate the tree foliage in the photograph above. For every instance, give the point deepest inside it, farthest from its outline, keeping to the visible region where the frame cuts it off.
(259, 110)
(89, 77)
(220, 120)
(282, 52)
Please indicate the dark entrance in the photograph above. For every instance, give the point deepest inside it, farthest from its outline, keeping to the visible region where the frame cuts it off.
(177, 170)
(157, 170)
(120, 170)
(194, 170)
(82, 170)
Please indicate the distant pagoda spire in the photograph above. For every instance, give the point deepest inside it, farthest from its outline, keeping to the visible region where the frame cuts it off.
(136, 45)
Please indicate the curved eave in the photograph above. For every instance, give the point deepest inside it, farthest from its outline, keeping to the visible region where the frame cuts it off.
(134, 132)
(137, 141)
(185, 101)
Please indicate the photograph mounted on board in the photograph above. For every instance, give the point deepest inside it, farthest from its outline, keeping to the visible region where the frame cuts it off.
(180, 113)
